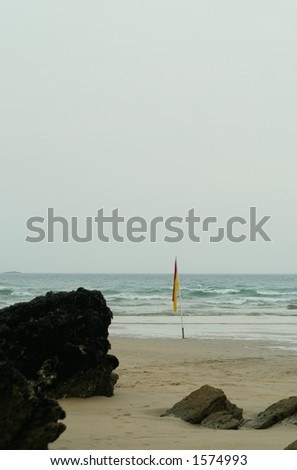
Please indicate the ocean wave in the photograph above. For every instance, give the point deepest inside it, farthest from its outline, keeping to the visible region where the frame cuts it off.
(271, 293)
(148, 295)
(204, 315)
(245, 292)
(123, 296)
(23, 293)
(207, 291)
(6, 291)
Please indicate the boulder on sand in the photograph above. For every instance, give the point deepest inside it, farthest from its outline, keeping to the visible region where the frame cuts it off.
(208, 406)
(275, 413)
(292, 446)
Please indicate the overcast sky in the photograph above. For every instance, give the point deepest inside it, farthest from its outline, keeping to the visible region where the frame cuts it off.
(153, 107)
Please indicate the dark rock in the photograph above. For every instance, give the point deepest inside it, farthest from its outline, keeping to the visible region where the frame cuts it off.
(28, 420)
(292, 446)
(205, 402)
(275, 413)
(221, 420)
(291, 419)
(59, 343)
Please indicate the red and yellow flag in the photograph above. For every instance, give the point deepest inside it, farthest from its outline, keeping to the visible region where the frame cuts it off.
(175, 287)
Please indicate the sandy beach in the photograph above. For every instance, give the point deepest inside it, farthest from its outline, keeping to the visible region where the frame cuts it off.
(156, 373)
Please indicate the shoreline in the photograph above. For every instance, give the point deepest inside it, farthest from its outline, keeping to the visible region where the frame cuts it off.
(156, 373)
(262, 329)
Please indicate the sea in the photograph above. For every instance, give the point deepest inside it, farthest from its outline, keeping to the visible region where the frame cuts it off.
(228, 306)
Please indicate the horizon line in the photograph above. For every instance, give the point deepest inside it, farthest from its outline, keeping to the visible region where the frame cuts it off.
(152, 273)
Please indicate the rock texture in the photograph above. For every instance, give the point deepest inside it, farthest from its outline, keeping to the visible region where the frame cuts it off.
(28, 421)
(221, 420)
(292, 446)
(275, 413)
(59, 343)
(208, 406)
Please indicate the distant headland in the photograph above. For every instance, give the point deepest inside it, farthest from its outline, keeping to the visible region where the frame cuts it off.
(12, 272)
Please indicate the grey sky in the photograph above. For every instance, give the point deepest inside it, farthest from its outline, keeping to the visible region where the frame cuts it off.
(154, 107)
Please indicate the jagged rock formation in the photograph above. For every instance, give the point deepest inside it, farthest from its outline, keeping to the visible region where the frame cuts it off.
(28, 420)
(208, 406)
(59, 343)
(275, 413)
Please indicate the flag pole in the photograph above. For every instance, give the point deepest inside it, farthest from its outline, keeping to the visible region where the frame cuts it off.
(176, 287)
(181, 315)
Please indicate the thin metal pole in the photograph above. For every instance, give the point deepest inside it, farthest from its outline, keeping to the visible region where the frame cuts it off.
(181, 315)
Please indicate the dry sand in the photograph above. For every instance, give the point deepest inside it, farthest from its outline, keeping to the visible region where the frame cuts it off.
(156, 373)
